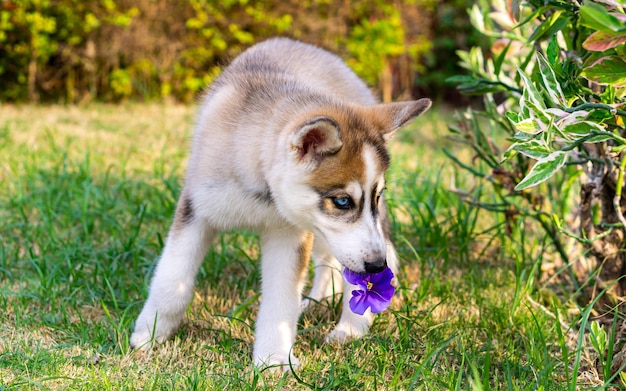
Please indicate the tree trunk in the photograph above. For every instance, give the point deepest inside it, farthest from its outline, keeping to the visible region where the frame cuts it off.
(386, 82)
(604, 264)
(32, 72)
(606, 252)
(90, 66)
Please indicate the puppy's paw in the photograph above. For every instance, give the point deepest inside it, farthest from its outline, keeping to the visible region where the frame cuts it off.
(326, 285)
(306, 303)
(345, 332)
(276, 362)
(329, 301)
(150, 328)
(142, 339)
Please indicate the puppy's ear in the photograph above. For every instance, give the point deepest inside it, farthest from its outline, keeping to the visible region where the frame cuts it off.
(395, 115)
(315, 138)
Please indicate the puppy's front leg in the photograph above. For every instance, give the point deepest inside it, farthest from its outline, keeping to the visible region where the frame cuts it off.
(171, 288)
(285, 256)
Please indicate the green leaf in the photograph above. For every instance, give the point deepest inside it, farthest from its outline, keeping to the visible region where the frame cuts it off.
(530, 126)
(555, 22)
(597, 17)
(477, 19)
(599, 138)
(535, 149)
(553, 88)
(565, 118)
(479, 87)
(459, 79)
(607, 70)
(531, 94)
(533, 16)
(472, 59)
(552, 53)
(508, 154)
(591, 132)
(515, 9)
(497, 62)
(598, 337)
(513, 117)
(618, 149)
(521, 136)
(583, 128)
(543, 170)
(599, 116)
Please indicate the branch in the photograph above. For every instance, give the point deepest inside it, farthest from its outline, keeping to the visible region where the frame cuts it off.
(463, 165)
(499, 83)
(601, 106)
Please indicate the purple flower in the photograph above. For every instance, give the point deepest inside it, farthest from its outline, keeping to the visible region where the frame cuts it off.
(376, 290)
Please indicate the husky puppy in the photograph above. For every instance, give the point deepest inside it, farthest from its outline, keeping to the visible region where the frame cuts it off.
(291, 143)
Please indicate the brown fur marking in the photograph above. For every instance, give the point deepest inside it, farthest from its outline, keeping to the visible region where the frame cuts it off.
(184, 213)
(347, 165)
(304, 253)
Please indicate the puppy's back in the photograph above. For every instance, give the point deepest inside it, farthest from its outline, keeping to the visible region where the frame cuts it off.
(304, 65)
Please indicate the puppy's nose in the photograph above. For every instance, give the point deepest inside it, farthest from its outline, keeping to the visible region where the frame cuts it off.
(376, 266)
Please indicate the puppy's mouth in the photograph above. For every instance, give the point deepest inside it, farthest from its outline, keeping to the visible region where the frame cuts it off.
(368, 271)
(376, 266)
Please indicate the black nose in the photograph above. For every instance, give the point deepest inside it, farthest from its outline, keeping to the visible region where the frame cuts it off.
(376, 266)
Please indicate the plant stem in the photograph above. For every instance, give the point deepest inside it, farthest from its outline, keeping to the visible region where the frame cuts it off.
(499, 83)
(618, 192)
(596, 106)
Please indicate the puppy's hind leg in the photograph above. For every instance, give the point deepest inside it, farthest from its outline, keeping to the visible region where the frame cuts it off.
(171, 288)
(328, 280)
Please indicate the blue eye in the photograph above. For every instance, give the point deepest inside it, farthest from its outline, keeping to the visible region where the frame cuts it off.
(343, 202)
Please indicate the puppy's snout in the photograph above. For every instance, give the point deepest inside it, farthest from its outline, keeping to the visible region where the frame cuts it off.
(376, 266)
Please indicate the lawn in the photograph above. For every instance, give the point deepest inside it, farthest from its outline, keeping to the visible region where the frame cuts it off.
(86, 198)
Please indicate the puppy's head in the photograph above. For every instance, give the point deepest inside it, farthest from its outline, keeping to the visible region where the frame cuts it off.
(338, 160)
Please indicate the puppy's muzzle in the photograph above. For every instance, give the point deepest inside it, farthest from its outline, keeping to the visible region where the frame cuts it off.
(376, 266)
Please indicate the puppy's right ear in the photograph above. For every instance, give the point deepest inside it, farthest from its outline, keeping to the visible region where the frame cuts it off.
(316, 138)
(397, 114)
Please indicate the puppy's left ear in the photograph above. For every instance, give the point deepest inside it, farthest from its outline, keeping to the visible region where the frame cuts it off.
(397, 114)
(316, 138)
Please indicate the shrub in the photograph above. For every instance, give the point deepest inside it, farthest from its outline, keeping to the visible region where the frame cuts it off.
(554, 89)
(75, 51)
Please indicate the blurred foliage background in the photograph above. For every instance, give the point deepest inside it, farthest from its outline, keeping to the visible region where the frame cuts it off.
(75, 51)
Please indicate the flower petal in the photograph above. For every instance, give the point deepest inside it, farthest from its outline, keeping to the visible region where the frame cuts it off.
(383, 277)
(354, 278)
(377, 303)
(378, 297)
(385, 292)
(358, 302)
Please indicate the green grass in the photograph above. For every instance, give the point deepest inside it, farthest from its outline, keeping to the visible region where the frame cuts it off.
(86, 199)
